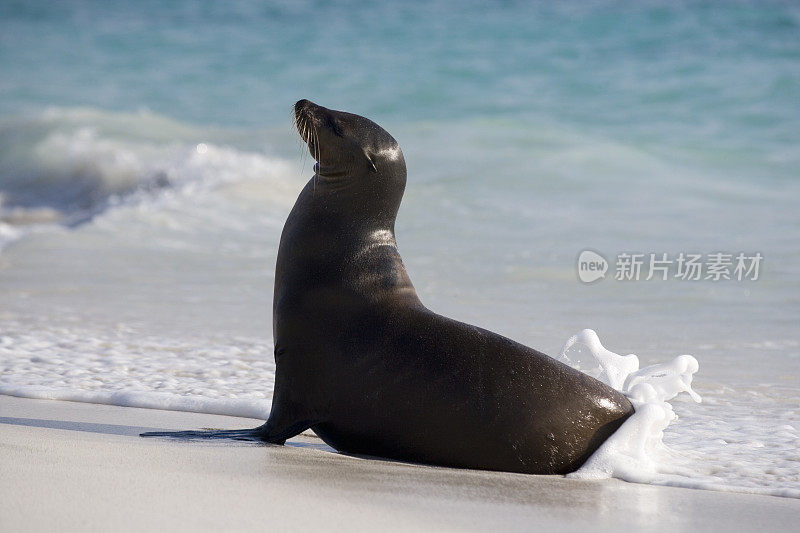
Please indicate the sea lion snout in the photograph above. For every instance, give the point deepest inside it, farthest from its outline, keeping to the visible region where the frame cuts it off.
(305, 121)
(302, 104)
(305, 108)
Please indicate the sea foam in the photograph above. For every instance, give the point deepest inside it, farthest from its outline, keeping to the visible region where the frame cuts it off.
(636, 451)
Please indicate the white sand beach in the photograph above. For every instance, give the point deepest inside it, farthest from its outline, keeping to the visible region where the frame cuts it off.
(82, 467)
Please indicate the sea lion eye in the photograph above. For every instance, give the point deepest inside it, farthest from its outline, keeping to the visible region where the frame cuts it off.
(335, 127)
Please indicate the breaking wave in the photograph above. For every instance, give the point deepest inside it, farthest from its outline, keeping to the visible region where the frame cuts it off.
(66, 166)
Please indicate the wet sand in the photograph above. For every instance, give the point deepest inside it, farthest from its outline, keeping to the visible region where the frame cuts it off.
(82, 467)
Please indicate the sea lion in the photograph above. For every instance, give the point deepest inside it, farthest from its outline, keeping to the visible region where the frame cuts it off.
(363, 363)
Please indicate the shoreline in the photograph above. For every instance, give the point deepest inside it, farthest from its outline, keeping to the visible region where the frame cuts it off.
(82, 466)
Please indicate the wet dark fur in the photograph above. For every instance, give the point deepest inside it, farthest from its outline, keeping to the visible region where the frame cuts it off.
(361, 361)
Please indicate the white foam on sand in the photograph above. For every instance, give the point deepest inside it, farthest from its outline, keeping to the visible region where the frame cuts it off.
(636, 452)
(258, 409)
(231, 377)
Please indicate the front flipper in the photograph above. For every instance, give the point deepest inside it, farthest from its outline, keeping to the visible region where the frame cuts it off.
(235, 434)
(269, 432)
(287, 419)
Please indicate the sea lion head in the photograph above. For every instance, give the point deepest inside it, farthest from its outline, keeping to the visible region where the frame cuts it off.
(350, 150)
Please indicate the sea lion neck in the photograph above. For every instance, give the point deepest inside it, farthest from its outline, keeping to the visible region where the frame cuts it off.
(351, 207)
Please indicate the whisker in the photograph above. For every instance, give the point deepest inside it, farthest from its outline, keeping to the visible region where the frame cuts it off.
(303, 150)
(304, 138)
(309, 136)
(296, 128)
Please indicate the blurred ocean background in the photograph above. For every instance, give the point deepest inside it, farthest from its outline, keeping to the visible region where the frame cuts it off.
(147, 163)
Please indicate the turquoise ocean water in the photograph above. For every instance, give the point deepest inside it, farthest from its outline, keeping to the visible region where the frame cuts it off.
(147, 163)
